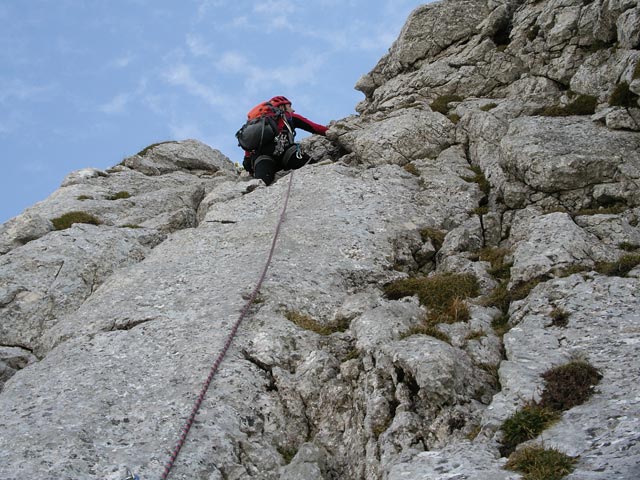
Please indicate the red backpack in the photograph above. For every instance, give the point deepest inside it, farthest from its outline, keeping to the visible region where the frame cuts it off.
(261, 127)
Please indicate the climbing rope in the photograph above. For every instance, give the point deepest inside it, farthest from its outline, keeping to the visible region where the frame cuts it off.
(227, 344)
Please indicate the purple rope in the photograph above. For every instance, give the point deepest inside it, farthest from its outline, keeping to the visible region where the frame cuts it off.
(194, 411)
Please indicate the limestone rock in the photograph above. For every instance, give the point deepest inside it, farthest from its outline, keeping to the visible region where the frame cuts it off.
(466, 157)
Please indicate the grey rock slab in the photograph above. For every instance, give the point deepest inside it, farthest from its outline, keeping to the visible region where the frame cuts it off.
(410, 134)
(460, 461)
(549, 243)
(555, 154)
(123, 378)
(602, 329)
(186, 155)
(51, 277)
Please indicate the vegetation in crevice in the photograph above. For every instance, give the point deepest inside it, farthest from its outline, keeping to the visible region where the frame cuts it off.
(628, 246)
(559, 317)
(68, 219)
(412, 169)
(307, 322)
(581, 105)
(441, 104)
(525, 424)
(146, 150)
(436, 236)
(426, 329)
(538, 463)
(479, 178)
(623, 97)
(569, 385)
(620, 267)
(443, 294)
(565, 387)
(119, 195)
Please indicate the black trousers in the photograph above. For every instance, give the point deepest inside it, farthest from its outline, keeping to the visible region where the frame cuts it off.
(266, 166)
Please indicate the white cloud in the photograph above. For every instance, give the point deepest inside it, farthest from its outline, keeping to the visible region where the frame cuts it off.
(20, 90)
(303, 71)
(180, 76)
(116, 105)
(207, 5)
(197, 46)
(122, 61)
(184, 131)
(271, 6)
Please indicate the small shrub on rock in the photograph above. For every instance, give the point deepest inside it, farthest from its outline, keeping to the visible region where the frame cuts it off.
(427, 329)
(559, 317)
(480, 179)
(412, 169)
(525, 424)
(436, 236)
(65, 221)
(307, 322)
(582, 105)
(569, 385)
(441, 293)
(120, 195)
(538, 463)
(619, 268)
(441, 104)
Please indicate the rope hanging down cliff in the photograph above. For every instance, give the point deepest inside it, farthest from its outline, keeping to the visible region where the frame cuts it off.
(232, 334)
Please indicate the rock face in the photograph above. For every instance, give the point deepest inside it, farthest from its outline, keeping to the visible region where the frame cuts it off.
(502, 145)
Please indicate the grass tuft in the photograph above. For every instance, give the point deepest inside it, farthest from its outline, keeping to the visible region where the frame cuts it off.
(525, 424)
(436, 236)
(479, 178)
(120, 195)
(559, 317)
(441, 104)
(443, 294)
(582, 105)
(412, 169)
(427, 329)
(307, 322)
(620, 267)
(538, 463)
(569, 385)
(68, 219)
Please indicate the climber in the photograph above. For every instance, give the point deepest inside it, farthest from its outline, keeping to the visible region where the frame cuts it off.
(279, 151)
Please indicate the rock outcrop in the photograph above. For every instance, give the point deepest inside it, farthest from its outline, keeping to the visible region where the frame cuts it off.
(496, 155)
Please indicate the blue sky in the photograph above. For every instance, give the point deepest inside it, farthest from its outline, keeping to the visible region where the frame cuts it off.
(86, 83)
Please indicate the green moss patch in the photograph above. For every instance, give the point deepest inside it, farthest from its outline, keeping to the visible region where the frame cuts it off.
(443, 294)
(539, 463)
(307, 322)
(427, 329)
(559, 317)
(146, 150)
(479, 178)
(65, 221)
(525, 424)
(436, 236)
(412, 169)
(120, 195)
(569, 385)
(620, 267)
(581, 105)
(441, 104)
